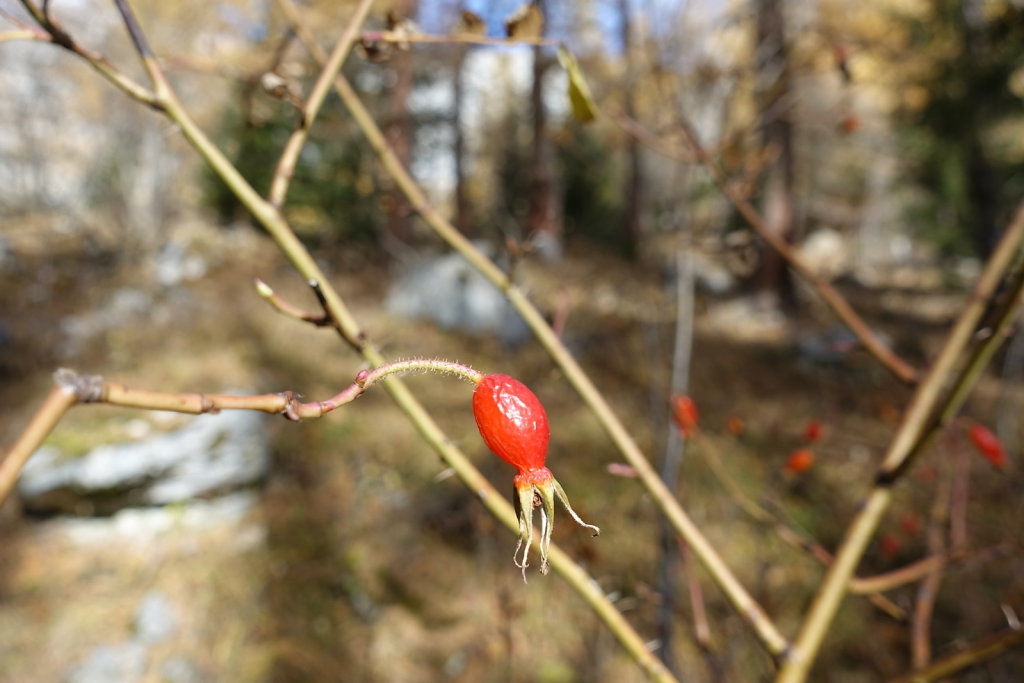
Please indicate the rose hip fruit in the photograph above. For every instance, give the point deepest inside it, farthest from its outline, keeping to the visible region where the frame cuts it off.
(514, 425)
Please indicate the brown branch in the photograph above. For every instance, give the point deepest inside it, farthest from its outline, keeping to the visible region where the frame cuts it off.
(921, 568)
(652, 141)
(701, 624)
(281, 306)
(938, 397)
(324, 319)
(928, 591)
(836, 301)
(285, 168)
(400, 38)
(59, 401)
(981, 651)
(25, 34)
(72, 388)
(792, 536)
(958, 539)
(97, 61)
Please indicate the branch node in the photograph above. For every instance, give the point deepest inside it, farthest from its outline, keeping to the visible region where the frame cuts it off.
(207, 405)
(291, 405)
(87, 389)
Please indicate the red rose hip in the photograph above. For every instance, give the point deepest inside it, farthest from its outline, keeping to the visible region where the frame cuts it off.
(512, 421)
(514, 425)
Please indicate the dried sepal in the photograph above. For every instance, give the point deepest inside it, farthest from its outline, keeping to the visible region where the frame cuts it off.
(538, 488)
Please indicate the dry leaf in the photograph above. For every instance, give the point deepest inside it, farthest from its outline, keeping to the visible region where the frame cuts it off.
(526, 23)
(470, 24)
(584, 109)
(373, 50)
(401, 27)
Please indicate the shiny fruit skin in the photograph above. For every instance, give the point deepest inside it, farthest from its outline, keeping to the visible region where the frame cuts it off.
(512, 421)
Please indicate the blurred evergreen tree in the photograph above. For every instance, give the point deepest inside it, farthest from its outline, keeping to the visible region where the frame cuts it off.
(334, 193)
(958, 130)
(592, 198)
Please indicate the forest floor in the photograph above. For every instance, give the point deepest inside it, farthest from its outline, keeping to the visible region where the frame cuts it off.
(361, 558)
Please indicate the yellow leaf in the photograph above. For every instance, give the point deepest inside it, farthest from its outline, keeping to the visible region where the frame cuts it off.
(584, 109)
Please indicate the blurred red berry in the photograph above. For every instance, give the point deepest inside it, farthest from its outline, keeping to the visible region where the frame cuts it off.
(735, 425)
(800, 460)
(889, 545)
(927, 474)
(911, 524)
(987, 444)
(813, 430)
(684, 412)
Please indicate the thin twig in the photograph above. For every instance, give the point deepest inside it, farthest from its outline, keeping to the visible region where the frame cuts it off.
(979, 652)
(701, 625)
(651, 141)
(675, 447)
(794, 537)
(280, 305)
(959, 496)
(928, 590)
(748, 608)
(401, 37)
(7, 16)
(285, 168)
(25, 34)
(836, 301)
(915, 571)
(97, 61)
(58, 402)
(71, 388)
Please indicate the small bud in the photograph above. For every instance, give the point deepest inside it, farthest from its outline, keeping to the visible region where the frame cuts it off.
(263, 289)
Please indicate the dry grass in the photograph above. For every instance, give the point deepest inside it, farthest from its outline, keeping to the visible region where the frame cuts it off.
(368, 564)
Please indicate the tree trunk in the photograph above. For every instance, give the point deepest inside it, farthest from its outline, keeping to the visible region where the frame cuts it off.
(772, 281)
(634, 181)
(399, 134)
(462, 214)
(543, 226)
